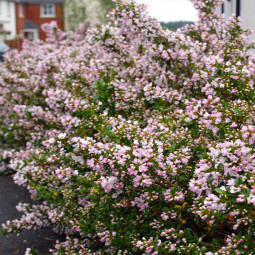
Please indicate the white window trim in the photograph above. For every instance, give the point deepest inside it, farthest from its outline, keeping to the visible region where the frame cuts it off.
(49, 15)
(8, 9)
(21, 10)
(35, 31)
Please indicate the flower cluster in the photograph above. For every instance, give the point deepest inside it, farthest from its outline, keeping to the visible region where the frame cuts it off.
(135, 139)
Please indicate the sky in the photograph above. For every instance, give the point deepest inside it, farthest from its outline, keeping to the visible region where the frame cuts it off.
(171, 10)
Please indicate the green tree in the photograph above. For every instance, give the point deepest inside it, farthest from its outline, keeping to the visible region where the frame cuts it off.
(174, 25)
(76, 11)
(107, 4)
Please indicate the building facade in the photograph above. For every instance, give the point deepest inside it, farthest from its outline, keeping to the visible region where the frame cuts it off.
(31, 14)
(7, 20)
(243, 8)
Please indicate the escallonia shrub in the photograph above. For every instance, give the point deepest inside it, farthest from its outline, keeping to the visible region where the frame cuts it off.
(135, 139)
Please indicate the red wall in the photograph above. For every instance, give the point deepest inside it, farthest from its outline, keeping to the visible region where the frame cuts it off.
(19, 20)
(32, 12)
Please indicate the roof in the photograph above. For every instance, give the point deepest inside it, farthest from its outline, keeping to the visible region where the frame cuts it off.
(28, 24)
(39, 1)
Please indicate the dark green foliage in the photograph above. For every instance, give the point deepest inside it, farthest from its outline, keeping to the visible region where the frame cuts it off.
(174, 25)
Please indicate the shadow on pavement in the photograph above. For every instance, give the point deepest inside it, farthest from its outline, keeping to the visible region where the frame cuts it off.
(41, 240)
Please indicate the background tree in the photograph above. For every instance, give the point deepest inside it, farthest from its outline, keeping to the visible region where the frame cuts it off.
(76, 11)
(174, 25)
(107, 5)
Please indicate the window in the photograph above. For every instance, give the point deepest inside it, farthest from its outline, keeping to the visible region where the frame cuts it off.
(8, 8)
(223, 8)
(30, 34)
(83, 12)
(47, 10)
(21, 10)
(238, 8)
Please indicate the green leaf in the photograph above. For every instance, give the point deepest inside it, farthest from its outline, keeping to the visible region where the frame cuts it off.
(210, 179)
(3, 231)
(238, 181)
(218, 190)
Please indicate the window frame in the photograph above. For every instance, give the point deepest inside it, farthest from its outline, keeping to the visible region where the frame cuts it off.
(238, 8)
(222, 8)
(33, 31)
(47, 15)
(83, 12)
(8, 8)
(21, 13)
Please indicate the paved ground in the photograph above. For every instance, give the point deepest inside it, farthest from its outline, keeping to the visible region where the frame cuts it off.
(10, 196)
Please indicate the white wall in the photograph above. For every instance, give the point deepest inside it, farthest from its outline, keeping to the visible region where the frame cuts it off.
(8, 18)
(229, 8)
(247, 13)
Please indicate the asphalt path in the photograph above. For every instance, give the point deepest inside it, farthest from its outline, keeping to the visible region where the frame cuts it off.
(13, 244)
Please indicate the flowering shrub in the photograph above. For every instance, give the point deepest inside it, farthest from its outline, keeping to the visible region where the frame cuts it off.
(136, 140)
